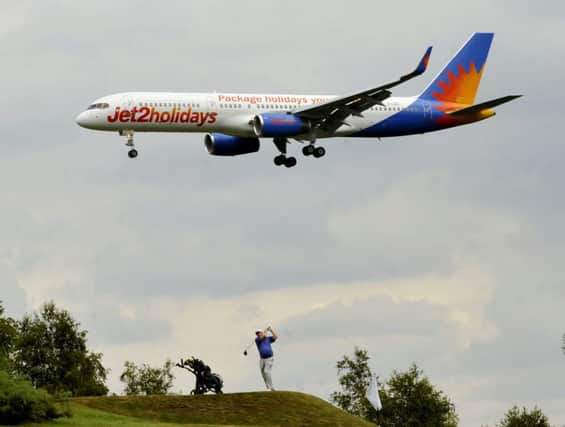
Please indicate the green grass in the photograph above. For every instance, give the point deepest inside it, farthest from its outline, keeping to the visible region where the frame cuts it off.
(87, 417)
(249, 409)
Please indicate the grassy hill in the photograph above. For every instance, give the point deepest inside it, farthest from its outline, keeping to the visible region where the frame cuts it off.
(249, 409)
(86, 417)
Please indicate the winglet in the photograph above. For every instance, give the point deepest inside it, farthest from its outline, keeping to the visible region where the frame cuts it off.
(424, 62)
(422, 65)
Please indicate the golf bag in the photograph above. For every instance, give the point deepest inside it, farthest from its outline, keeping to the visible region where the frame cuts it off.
(206, 380)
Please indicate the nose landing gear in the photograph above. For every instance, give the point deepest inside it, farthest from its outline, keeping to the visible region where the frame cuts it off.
(132, 153)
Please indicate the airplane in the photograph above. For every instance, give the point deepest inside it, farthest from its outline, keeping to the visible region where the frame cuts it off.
(234, 123)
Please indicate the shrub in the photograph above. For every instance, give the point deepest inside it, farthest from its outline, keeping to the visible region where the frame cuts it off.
(21, 402)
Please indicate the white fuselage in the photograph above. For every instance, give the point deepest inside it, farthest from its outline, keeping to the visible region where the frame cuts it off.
(228, 113)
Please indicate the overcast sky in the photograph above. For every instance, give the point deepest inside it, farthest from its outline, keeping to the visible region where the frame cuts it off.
(444, 249)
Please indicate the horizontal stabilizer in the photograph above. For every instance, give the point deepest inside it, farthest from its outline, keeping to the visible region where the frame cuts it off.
(484, 105)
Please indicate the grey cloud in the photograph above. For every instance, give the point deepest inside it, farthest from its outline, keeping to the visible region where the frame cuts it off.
(94, 227)
(380, 318)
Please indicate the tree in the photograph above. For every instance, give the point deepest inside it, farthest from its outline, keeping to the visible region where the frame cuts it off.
(354, 378)
(408, 398)
(147, 380)
(8, 334)
(524, 418)
(51, 351)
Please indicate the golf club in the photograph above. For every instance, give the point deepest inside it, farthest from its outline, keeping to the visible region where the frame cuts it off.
(253, 343)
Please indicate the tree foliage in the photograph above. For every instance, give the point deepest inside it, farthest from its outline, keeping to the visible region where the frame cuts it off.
(147, 380)
(21, 402)
(524, 418)
(354, 378)
(408, 398)
(8, 335)
(51, 350)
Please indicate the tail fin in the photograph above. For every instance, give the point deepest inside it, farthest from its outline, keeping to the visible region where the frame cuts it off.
(459, 81)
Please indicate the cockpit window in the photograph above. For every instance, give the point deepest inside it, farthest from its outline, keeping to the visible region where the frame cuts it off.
(99, 106)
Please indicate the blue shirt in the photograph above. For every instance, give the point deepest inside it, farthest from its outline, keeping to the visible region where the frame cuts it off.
(264, 347)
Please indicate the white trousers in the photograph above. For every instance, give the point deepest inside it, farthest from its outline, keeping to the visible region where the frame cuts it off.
(266, 366)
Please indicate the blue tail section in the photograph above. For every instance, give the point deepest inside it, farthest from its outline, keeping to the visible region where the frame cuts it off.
(459, 81)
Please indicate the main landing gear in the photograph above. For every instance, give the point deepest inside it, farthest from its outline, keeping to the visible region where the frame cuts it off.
(132, 153)
(281, 159)
(289, 162)
(312, 150)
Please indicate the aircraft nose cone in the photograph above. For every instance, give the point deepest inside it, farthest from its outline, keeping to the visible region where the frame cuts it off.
(83, 119)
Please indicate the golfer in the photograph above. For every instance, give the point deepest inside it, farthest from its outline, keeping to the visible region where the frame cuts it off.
(263, 342)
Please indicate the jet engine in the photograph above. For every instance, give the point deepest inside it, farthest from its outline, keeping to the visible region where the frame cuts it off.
(219, 144)
(279, 125)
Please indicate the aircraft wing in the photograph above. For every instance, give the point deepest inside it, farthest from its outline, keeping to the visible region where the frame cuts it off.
(330, 115)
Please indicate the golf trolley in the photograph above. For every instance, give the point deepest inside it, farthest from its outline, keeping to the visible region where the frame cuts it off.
(206, 380)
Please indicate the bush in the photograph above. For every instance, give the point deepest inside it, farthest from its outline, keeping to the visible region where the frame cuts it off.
(146, 379)
(20, 402)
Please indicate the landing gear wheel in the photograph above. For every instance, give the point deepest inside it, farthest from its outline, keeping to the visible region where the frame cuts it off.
(132, 153)
(319, 152)
(290, 162)
(308, 150)
(280, 160)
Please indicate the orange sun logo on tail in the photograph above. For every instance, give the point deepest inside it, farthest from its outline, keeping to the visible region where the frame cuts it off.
(459, 89)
